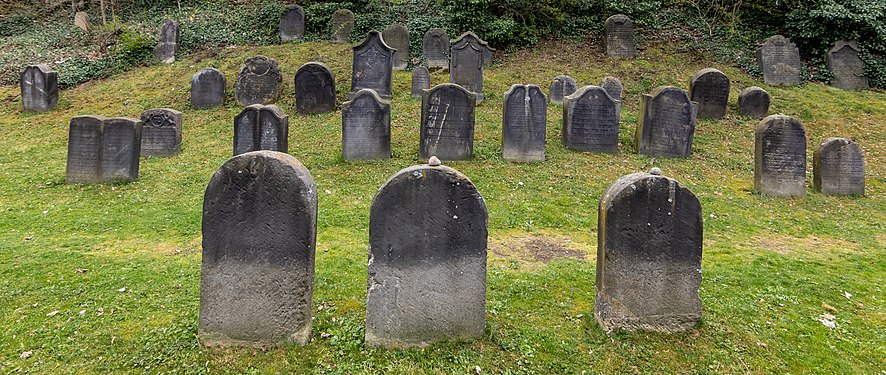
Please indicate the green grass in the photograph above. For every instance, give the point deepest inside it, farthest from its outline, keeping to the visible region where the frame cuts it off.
(769, 264)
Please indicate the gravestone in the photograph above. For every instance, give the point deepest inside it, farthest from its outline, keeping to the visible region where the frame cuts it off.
(838, 168)
(848, 69)
(39, 86)
(590, 121)
(435, 49)
(259, 82)
(292, 23)
(710, 89)
(753, 102)
(469, 56)
(366, 127)
(649, 247)
(666, 123)
(208, 89)
(421, 80)
(447, 123)
(314, 89)
(427, 259)
(372, 66)
(81, 20)
(619, 30)
(161, 132)
(342, 25)
(524, 124)
(167, 42)
(779, 60)
(261, 127)
(259, 236)
(397, 37)
(613, 86)
(562, 86)
(103, 149)
(780, 157)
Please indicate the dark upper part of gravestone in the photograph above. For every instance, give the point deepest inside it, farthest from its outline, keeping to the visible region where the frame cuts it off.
(562, 86)
(161, 132)
(39, 87)
(619, 30)
(846, 66)
(167, 42)
(421, 80)
(779, 60)
(838, 168)
(469, 55)
(371, 67)
(780, 157)
(259, 236)
(366, 127)
(666, 123)
(259, 81)
(314, 89)
(447, 123)
(590, 120)
(103, 149)
(427, 259)
(612, 86)
(753, 102)
(342, 25)
(261, 127)
(396, 36)
(648, 255)
(709, 88)
(208, 89)
(292, 23)
(524, 124)
(435, 48)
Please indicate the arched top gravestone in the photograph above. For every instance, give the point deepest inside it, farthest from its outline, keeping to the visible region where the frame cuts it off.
(562, 86)
(396, 36)
(619, 31)
(710, 89)
(838, 167)
(261, 127)
(161, 132)
(208, 89)
(314, 89)
(447, 123)
(421, 80)
(372, 65)
(753, 102)
(342, 25)
(590, 120)
(435, 48)
(846, 66)
(780, 157)
(168, 41)
(292, 23)
(259, 81)
(524, 124)
(469, 54)
(666, 123)
(39, 86)
(779, 60)
(366, 127)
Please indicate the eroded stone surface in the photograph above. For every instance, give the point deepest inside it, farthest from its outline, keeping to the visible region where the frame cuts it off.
(614, 87)
(81, 20)
(779, 60)
(447, 123)
(710, 89)
(366, 127)
(342, 25)
(753, 102)
(261, 127)
(292, 23)
(846, 66)
(469, 56)
(161, 132)
(524, 124)
(435, 48)
(562, 86)
(372, 66)
(590, 120)
(619, 30)
(666, 123)
(208, 89)
(396, 36)
(167, 42)
(102, 149)
(259, 82)
(39, 86)
(421, 80)
(314, 89)
(838, 167)
(780, 157)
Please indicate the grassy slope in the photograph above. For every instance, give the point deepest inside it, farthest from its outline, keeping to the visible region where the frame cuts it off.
(769, 263)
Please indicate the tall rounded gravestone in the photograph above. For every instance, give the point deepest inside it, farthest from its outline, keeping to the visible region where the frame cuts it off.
(208, 89)
(314, 89)
(780, 157)
(709, 88)
(838, 167)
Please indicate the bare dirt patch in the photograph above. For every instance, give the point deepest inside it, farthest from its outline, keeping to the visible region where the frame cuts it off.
(537, 248)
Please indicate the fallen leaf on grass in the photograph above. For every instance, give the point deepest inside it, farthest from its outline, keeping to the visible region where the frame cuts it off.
(25, 355)
(827, 320)
(52, 313)
(829, 308)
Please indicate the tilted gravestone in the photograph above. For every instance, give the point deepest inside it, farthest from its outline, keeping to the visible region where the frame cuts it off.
(780, 157)
(613, 86)
(421, 80)
(846, 66)
(366, 127)
(779, 60)
(447, 123)
(208, 89)
(81, 20)
(342, 25)
(427, 259)
(590, 121)
(710, 89)
(469, 55)
(261, 127)
(314, 89)
(619, 30)
(167, 42)
(161, 132)
(259, 82)
(372, 66)
(562, 86)
(103, 149)
(838, 168)
(524, 124)
(649, 248)
(259, 236)
(39, 86)
(396, 36)
(292, 23)
(753, 102)
(666, 123)
(435, 49)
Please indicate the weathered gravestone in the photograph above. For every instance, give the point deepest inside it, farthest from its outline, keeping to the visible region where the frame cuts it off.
(753, 102)
(469, 56)
(427, 259)
(709, 88)
(292, 23)
(562, 86)
(208, 89)
(780, 157)
(372, 67)
(666, 123)
(259, 236)
(314, 89)
(81, 20)
(524, 124)
(161, 132)
(259, 82)
(779, 60)
(396, 36)
(838, 168)
(590, 120)
(261, 127)
(613, 86)
(342, 25)
(619, 30)
(167, 42)
(39, 86)
(649, 247)
(103, 149)
(447, 123)
(421, 80)
(435, 49)
(366, 127)
(847, 68)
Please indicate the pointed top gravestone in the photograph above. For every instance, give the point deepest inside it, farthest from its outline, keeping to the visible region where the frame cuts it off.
(292, 23)
(447, 123)
(168, 41)
(208, 89)
(562, 86)
(261, 127)
(366, 127)
(846, 66)
(838, 167)
(39, 86)
(435, 49)
(396, 36)
(314, 89)
(753, 102)
(372, 66)
(780, 157)
(161, 132)
(342, 25)
(421, 80)
(666, 123)
(710, 89)
(779, 60)
(590, 121)
(259, 81)
(524, 124)
(619, 30)
(469, 54)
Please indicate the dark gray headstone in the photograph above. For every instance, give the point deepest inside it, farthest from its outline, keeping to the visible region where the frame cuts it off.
(261, 127)
(780, 157)
(259, 82)
(161, 132)
(208, 89)
(372, 66)
(561, 87)
(427, 259)
(666, 123)
(710, 89)
(366, 127)
(435, 49)
(649, 247)
(838, 168)
(614, 87)
(292, 23)
(619, 30)
(103, 149)
(753, 102)
(469, 56)
(397, 37)
(590, 121)
(421, 80)
(167, 42)
(39, 88)
(342, 25)
(259, 236)
(447, 123)
(846, 66)
(779, 60)
(314, 89)
(525, 123)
